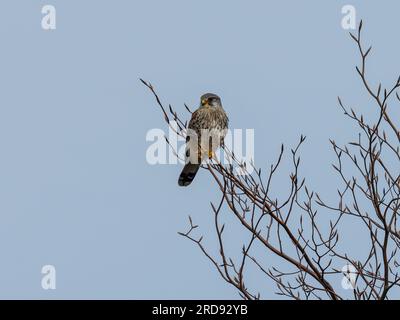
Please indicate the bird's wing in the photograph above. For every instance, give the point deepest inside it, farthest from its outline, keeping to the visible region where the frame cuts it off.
(195, 120)
(193, 137)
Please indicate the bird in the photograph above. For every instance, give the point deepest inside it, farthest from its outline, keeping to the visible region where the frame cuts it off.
(206, 132)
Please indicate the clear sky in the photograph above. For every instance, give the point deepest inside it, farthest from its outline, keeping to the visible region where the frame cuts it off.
(76, 191)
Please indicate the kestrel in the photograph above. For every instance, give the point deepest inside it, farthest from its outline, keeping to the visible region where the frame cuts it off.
(206, 132)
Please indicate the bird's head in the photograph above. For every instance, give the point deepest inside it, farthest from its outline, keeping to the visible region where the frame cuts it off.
(210, 100)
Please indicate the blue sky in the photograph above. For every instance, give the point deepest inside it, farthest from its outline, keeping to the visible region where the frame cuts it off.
(76, 191)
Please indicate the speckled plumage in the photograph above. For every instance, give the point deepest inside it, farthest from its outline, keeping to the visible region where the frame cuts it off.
(209, 124)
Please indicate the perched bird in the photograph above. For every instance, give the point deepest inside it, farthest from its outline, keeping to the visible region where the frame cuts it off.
(206, 131)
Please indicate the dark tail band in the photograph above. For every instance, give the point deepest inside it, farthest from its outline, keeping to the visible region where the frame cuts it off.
(188, 173)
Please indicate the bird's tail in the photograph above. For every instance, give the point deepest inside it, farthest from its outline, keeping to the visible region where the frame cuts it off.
(188, 173)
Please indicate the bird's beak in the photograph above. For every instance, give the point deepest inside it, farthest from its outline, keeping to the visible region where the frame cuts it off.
(203, 102)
